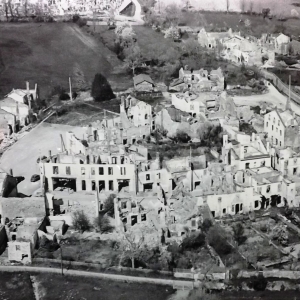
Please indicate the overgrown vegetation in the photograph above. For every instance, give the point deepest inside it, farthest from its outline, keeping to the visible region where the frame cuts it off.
(81, 221)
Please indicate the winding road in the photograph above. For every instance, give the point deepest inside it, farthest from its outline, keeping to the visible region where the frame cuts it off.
(272, 98)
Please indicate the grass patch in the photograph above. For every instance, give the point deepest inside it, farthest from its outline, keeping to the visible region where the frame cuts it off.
(89, 288)
(47, 54)
(15, 286)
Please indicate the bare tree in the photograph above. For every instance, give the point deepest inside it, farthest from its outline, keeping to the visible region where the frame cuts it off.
(251, 4)
(132, 244)
(242, 5)
(5, 9)
(26, 8)
(10, 8)
(134, 58)
(227, 5)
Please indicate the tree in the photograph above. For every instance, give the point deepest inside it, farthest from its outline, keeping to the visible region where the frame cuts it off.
(172, 33)
(242, 5)
(109, 207)
(182, 137)
(251, 4)
(193, 241)
(191, 47)
(227, 5)
(80, 221)
(101, 89)
(207, 223)
(216, 237)
(247, 23)
(238, 233)
(172, 14)
(132, 244)
(103, 224)
(5, 8)
(201, 294)
(266, 12)
(134, 58)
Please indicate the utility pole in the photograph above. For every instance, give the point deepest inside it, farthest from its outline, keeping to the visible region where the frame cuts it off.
(70, 84)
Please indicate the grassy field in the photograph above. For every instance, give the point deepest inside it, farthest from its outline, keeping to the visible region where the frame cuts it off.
(47, 54)
(54, 287)
(15, 286)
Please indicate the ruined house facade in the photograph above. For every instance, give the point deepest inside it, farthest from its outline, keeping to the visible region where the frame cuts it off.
(198, 80)
(84, 168)
(282, 129)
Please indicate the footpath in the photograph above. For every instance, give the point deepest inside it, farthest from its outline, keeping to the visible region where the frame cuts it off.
(34, 269)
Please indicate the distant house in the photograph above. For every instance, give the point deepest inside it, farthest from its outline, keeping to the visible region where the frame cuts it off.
(282, 42)
(198, 80)
(143, 83)
(295, 47)
(18, 109)
(211, 39)
(7, 123)
(24, 96)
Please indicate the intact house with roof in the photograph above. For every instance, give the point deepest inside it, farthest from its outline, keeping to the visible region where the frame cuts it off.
(143, 83)
(282, 128)
(198, 80)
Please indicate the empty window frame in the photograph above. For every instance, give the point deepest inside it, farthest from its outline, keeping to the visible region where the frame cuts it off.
(68, 170)
(110, 171)
(101, 171)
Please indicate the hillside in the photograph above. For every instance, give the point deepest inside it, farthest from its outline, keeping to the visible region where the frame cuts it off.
(276, 6)
(49, 53)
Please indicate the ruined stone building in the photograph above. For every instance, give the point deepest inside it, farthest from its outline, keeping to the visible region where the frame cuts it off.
(22, 220)
(134, 123)
(246, 153)
(84, 166)
(198, 81)
(282, 128)
(211, 40)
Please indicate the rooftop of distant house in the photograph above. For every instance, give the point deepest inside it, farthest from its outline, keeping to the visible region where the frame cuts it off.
(141, 78)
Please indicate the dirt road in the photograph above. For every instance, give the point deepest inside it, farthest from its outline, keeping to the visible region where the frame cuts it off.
(272, 98)
(21, 157)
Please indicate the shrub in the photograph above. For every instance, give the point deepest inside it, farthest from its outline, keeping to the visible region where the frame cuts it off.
(258, 283)
(207, 223)
(80, 221)
(193, 241)
(182, 137)
(64, 97)
(103, 224)
(238, 232)
(109, 207)
(216, 239)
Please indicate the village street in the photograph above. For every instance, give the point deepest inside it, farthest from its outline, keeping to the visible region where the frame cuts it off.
(272, 98)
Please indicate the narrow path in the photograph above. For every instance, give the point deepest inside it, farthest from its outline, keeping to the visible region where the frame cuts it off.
(159, 281)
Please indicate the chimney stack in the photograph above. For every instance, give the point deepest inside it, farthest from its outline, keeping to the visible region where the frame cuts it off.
(253, 136)
(11, 172)
(27, 86)
(50, 156)
(225, 140)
